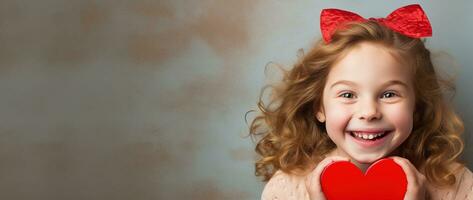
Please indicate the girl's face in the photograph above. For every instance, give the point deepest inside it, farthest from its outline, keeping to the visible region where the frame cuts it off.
(368, 103)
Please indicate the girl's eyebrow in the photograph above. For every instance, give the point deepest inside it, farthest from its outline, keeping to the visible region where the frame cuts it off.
(391, 82)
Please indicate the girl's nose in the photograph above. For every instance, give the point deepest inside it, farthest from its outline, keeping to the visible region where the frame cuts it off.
(369, 111)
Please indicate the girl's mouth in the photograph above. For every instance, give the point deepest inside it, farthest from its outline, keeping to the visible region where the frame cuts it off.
(371, 136)
(369, 139)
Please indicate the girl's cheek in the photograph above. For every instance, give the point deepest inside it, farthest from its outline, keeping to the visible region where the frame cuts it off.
(402, 118)
(338, 117)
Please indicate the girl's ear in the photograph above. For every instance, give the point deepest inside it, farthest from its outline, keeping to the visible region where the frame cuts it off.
(320, 116)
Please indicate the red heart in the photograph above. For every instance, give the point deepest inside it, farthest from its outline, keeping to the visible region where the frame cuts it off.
(384, 179)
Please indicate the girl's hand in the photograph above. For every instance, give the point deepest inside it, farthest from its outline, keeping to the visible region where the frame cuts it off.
(312, 181)
(416, 182)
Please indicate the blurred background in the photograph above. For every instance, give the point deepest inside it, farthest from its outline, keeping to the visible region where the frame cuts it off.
(146, 99)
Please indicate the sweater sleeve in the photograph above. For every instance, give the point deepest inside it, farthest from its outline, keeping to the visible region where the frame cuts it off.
(283, 186)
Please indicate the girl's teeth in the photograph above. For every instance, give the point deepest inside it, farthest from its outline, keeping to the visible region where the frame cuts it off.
(367, 137)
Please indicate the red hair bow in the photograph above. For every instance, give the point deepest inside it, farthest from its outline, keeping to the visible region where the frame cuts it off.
(408, 20)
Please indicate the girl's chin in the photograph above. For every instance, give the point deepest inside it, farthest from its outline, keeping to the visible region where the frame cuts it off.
(366, 159)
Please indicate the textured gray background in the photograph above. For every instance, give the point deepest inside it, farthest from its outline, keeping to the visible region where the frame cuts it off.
(145, 99)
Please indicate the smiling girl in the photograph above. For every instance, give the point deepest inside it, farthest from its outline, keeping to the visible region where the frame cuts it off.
(367, 91)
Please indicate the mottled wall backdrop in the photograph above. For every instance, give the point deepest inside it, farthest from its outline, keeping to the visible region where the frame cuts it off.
(146, 99)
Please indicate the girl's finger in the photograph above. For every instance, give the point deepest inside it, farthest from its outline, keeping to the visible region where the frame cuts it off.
(410, 173)
(412, 166)
(314, 176)
(419, 176)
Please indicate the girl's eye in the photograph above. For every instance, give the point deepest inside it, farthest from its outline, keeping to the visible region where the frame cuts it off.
(346, 95)
(384, 95)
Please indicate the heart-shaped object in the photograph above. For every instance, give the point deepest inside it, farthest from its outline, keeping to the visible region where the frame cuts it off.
(384, 179)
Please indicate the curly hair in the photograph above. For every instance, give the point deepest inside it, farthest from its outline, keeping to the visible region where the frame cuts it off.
(290, 139)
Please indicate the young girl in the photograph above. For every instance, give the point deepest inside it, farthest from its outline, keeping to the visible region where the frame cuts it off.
(367, 91)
